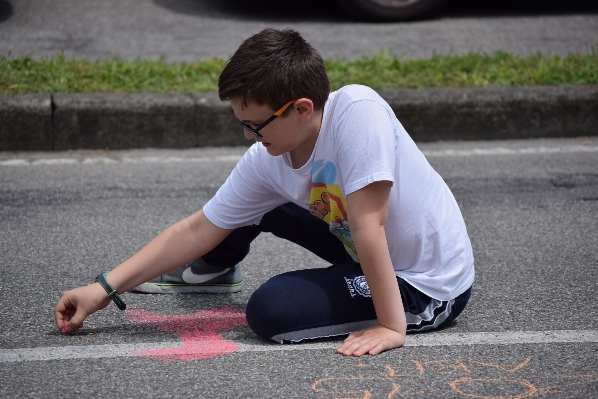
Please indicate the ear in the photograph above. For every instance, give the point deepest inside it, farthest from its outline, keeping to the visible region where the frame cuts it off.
(304, 108)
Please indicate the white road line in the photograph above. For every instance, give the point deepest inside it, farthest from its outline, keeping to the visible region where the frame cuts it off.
(509, 151)
(77, 352)
(165, 159)
(427, 339)
(101, 160)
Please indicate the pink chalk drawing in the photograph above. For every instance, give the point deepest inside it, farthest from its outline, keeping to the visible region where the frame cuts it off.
(200, 333)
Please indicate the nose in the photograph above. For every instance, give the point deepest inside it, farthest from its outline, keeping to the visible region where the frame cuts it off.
(249, 135)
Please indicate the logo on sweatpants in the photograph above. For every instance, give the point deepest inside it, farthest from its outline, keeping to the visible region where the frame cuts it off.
(358, 285)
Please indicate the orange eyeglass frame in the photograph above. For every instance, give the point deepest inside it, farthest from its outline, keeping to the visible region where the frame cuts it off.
(270, 119)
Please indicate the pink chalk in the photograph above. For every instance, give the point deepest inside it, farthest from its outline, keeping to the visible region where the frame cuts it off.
(201, 333)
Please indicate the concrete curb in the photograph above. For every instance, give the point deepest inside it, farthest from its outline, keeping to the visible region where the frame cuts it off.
(26, 122)
(44, 122)
(497, 113)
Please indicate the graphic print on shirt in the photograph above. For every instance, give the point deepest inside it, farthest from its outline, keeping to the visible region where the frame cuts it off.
(326, 202)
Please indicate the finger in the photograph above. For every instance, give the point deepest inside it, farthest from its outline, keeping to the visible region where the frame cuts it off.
(350, 340)
(69, 315)
(341, 349)
(364, 348)
(59, 319)
(355, 334)
(354, 337)
(379, 348)
(61, 311)
(344, 349)
(76, 320)
(349, 348)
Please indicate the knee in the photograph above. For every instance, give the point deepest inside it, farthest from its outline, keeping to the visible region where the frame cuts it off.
(285, 303)
(264, 312)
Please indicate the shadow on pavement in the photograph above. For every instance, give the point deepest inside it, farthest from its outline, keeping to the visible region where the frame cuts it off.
(261, 10)
(331, 11)
(5, 10)
(517, 8)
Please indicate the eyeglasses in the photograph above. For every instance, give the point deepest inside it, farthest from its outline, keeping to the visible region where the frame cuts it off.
(263, 125)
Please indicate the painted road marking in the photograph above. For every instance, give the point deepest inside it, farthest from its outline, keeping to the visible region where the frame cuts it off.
(200, 333)
(103, 160)
(509, 151)
(123, 158)
(428, 339)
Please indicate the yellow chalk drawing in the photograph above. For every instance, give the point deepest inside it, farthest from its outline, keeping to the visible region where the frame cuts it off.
(465, 378)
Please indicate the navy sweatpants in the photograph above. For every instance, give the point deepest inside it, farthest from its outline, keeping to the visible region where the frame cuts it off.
(315, 303)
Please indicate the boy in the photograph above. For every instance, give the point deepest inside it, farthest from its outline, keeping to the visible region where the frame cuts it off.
(323, 163)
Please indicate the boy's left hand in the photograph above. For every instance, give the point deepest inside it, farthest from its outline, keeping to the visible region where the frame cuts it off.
(373, 340)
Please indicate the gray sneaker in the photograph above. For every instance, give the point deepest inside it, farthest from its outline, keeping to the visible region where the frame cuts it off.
(196, 277)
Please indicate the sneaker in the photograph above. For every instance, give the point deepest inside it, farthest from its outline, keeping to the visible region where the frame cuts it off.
(196, 277)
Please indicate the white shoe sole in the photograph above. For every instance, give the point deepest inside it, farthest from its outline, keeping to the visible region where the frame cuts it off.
(148, 288)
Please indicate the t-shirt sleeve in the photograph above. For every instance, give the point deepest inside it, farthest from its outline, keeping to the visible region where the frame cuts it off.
(365, 145)
(244, 197)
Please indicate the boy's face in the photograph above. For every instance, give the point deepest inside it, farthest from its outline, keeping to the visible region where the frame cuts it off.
(295, 133)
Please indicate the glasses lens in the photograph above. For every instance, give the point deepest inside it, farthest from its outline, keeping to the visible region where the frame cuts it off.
(249, 128)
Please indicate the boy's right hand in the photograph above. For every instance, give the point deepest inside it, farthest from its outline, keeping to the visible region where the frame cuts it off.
(75, 305)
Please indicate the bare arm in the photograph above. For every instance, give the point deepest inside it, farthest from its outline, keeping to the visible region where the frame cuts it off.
(179, 244)
(367, 213)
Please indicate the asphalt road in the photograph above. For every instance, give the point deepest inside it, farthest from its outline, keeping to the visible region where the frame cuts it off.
(530, 329)
(195, 29)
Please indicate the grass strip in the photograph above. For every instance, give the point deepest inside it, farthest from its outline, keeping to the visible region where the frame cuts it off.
(380, 71)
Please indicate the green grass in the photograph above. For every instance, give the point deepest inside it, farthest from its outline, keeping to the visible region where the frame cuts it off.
(472, 70)
(380, 71)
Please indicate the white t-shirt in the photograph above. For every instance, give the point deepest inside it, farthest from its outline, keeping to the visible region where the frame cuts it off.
(360, 142)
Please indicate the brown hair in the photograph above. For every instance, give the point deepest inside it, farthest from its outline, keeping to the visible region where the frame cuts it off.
(274, 67)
